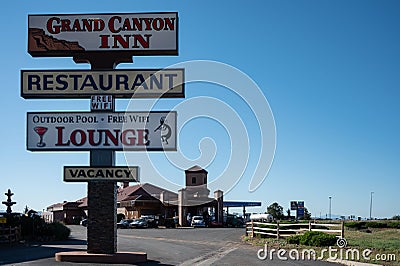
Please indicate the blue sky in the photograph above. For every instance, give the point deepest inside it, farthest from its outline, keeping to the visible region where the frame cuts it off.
(329, 70)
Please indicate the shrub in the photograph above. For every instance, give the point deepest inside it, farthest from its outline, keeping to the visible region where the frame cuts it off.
(373, 224)
(312, 238)
(35, 228)
(355, 225)
(307, 237)
(323, 240)
(395, 225)
(376, 225)
(266, 226)
(295, 239)
(31, 226)
(321, 227)
(58, 230)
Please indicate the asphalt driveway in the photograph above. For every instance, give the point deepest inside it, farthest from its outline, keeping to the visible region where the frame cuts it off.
(200, 246)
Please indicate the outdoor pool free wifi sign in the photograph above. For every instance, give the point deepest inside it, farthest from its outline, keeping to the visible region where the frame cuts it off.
(85, 131)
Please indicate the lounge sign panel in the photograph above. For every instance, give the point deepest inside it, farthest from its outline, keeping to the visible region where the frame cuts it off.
(136, 83)
(128, 131)
(112, 173)
(69, 34)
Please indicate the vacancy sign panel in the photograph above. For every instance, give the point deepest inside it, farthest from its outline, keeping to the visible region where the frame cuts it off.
(132, 33)
(112, 173)
(128, 83)
(130, 131)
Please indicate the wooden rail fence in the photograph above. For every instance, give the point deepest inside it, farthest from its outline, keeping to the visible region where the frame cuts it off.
(10, 234)
(281, 230)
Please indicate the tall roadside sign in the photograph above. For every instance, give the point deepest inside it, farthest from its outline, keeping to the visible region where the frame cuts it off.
(300, 209)
(298, 206)
(104, 41)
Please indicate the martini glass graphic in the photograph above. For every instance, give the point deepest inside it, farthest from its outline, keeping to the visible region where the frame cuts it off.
(40, 131)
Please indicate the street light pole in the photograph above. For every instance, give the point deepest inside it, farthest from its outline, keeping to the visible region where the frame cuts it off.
(330, 208)
(370, 207)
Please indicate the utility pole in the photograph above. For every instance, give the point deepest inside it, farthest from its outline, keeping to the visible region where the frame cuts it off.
(370, 207)
(330, 208)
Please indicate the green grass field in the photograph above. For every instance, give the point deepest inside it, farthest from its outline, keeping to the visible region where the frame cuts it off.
(383, 242)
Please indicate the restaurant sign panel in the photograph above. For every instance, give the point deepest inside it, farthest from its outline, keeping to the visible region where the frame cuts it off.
(128, 83)
(71, 34)
(128, 131)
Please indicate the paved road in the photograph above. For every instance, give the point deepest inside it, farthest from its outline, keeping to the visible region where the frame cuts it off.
(201, 246)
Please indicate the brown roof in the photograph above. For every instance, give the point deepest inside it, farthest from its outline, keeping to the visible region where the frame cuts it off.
(83, 202)
(124, 194)
(156, 191)
(55, 205)
(134, 197)
(196, 168)
(63, 205)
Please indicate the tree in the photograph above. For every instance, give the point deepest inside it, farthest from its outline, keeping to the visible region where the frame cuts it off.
(307, 215)
(288, 213)
(276, 211)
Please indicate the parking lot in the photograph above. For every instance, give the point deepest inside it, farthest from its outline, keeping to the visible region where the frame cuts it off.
(199, 246)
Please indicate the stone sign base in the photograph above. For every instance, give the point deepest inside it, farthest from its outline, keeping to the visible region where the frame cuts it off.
(116, 258)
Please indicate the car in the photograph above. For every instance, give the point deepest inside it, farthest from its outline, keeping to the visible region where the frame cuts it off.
(214, 223)
(234, 221)
(198, 221)
(170, 223)
(124, 223)
(84, 222)
(139, 223)
(152, 220)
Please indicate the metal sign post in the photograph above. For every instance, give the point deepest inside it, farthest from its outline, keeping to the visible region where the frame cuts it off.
(102, 195)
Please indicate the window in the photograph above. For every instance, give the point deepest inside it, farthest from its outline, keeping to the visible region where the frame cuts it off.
(194, 180)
